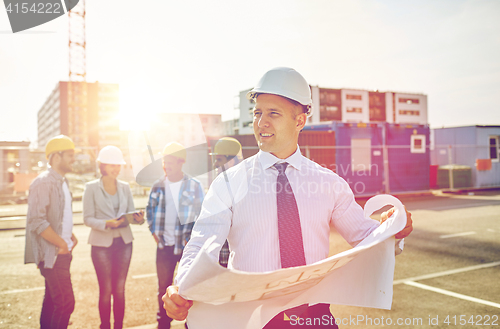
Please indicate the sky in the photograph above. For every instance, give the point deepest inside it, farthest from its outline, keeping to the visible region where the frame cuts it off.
(196, 56)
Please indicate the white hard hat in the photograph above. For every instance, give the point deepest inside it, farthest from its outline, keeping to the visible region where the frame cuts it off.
(286, 82)
(111, 155)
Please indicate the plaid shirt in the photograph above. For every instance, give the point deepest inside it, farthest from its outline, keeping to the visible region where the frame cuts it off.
(190, 200)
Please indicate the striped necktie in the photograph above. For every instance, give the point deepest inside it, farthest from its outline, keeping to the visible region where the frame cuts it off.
(290, 233)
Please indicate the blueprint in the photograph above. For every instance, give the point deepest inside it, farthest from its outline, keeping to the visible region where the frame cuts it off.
(361, 276)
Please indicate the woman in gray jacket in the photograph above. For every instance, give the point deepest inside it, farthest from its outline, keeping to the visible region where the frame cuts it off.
(105, 200)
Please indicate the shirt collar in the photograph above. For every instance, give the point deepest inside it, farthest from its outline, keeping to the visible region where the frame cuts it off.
(56, 175)
(268, 160)
(184, 177)
(101, 184)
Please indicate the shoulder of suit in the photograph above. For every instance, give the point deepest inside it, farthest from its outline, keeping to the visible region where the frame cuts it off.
(92, 182)
(123, 183)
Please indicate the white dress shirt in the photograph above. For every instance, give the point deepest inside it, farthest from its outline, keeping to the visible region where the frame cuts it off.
(171, 210)
(251, 223)
(67, 224)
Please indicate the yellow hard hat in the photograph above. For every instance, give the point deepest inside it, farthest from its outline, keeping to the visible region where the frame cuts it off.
(58, 144)
(227, 146)
(175, 149)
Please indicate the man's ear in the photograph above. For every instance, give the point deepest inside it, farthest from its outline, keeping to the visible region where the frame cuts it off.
(301, 120)
(54, 158)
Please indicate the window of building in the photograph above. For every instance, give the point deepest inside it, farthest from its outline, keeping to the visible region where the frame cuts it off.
(376, 103)
(409, 100)
(354, 109)
(329, 113)
(494, 148)
(356, 97)
(329, 97)
(417, 144)
(377, 114)
(409, 112)
(248, 124)
(12, 156)
(360, 154)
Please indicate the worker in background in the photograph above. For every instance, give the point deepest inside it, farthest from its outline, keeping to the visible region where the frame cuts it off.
(49, 232)
(227, 153)
(174, 205)
(105, 200)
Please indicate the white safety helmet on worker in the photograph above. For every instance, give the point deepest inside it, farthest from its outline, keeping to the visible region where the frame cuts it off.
(285, 82)
(111, 155)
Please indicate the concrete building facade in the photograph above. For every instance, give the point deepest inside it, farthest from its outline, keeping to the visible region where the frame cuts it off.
(93, 127)
(230, 127)
(352, 106)
(14, 158)
(92, 123)
(246, 114)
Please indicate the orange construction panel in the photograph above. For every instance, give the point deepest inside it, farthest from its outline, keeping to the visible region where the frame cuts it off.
(22, 181)
(483, 164)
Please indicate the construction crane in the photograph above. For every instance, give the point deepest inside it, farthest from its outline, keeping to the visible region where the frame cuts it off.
(77, 82)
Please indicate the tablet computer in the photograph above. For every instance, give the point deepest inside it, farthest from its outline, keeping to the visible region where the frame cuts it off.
(130, 218)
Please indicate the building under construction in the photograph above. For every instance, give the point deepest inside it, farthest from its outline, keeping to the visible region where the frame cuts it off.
(97, 128)
(91, 127)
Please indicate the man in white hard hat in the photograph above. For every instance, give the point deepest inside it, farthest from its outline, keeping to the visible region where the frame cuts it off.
(49, 232)
(173, 206)
(284, 218)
